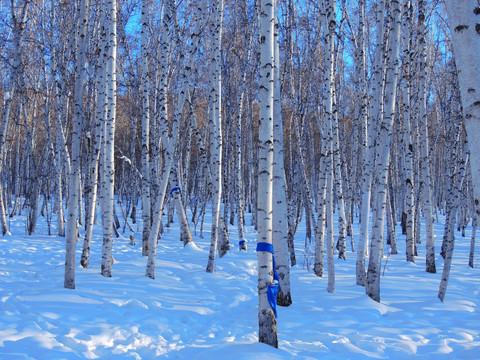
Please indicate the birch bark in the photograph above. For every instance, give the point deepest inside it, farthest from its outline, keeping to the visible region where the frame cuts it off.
(425, 177)
(407, 134)
(266, 318)
(215, 124)
(464, 20)
(146, 206)
(369, 145)
(73, 189)
(109, 169)
(280, 231)
(383, 147)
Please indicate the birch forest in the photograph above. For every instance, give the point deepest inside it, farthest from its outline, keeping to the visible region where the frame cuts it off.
(124, 112)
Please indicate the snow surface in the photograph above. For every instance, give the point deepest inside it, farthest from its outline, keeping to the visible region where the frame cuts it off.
(186, 313)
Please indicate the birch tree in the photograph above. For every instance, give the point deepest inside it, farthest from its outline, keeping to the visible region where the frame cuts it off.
(407, 134)
(215, 124)
(382, 161)
(280, 231)
(464, 19)
(426, 183)
(74, 176)
(109, 136)
(369, 145)
(94, 138)
(146, 206)
(329, 26)
(266, 317)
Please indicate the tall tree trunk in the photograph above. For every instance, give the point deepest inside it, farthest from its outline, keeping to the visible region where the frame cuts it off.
(464, 19)
(369, 140)
(425, 176)
(280, 231)
(215, 124)
(472, 241)
(74, 176)
(383, 147)
(176, 192)
(146, 206)
(93, 165)
(266, 317)
(329, 25)
(109, 169)
(407, 136)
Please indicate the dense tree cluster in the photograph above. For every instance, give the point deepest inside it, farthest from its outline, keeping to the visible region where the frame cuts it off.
(159, 106)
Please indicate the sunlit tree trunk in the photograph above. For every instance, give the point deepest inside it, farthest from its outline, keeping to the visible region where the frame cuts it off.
(407, 134)
(93, 165)
(425, 176)
(176, 192)
(146, 206)
(369, 142)
(215, 124)
(280, 231)
(382, 161)
(74, 176)
(266, 318)
(329, 25)
(109, 142)
(464, 19)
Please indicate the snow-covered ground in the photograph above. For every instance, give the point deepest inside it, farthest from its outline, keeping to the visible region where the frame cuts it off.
(186, 313)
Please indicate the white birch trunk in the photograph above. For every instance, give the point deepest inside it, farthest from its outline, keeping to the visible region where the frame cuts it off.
(280, 231)
(329, 25)
(73, 189)
(109, 170)
(94, 163)
(383, 147)
(424, 144)
(176, 192)
(472, 240)
(146, 206)
(464, 19)
(318, 266)
(266, 318)
(407, 136)
(369, 139)
(215, 124)
(329, 218)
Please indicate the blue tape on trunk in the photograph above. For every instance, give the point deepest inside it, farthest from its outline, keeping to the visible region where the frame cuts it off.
(274, 287)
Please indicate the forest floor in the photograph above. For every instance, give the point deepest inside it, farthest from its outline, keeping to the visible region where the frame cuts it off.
(185, 313)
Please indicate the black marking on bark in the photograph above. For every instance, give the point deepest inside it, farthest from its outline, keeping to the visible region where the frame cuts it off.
(476, 103)
(471, 90)
(476, 11)
(460, 28)
(477, 28)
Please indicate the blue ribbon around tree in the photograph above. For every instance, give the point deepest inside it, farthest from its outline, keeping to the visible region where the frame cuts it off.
(241, 243)
(178, 188)
(274, 287)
